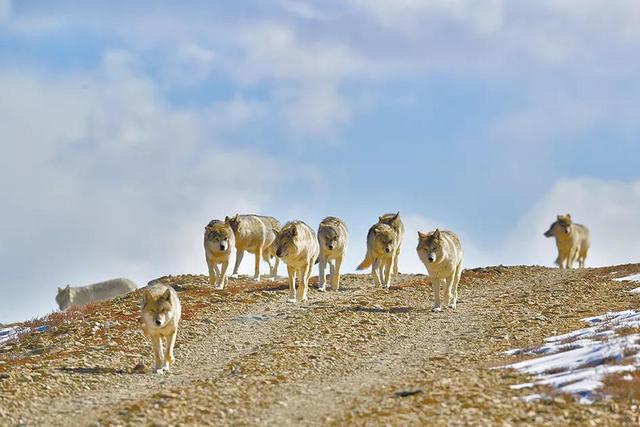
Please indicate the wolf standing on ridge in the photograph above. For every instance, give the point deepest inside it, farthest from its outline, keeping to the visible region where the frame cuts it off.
(83, 295)
(219, 242)
(382, 250)
(396, 223)
(573, 241)
(255, 234)
(333, 238)
(161, 312)
(441, 253)
(298, 247)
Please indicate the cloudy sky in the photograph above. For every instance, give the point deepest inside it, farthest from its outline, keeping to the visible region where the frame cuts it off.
(126, 126)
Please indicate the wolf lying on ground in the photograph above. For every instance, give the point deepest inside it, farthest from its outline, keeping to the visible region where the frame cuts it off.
(441, 253)
(219, 241)
(83, 295)
(396, 223)
(572, 240)
(382, 250)
(333, 238)
(298, 247)
(255, 234)
(161, 312)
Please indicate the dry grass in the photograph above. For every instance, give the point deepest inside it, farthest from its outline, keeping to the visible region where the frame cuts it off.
(624, 385)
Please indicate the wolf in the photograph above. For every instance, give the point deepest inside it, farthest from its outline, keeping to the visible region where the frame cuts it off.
(382, 250)
(441, 253)
(83, 295)
(572, 240)
(333, 238)
(219, 242)
(393, 219)
(161, 312)
(298, 247)
(255, 234)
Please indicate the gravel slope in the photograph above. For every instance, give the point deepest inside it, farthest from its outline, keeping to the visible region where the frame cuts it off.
(246, 357)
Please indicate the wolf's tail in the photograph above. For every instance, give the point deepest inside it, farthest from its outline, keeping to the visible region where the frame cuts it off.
(366, 263)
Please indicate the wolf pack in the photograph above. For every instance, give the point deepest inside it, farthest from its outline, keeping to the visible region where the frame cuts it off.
(301, 248)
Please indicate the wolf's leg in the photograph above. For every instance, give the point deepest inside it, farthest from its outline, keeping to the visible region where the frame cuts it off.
(335, 276)
(301, 292)
(388, 265)
(374, 273)
(222, 281)
(395, 262)
(256, 275)
(456, 280)
(573, 255)
(213, 272)
(322, 263)
(437, 306)
(274, 272)
(292, 284)
(156, 346)
(239, 255)
(168, 353)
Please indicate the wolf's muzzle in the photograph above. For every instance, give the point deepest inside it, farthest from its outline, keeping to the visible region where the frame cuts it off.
(431, 258)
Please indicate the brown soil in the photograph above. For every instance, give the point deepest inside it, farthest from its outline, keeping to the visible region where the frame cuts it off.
(360, 356)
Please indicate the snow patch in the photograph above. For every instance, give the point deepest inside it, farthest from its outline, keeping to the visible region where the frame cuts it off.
(578, 361)
(7, 334)
(632, 278)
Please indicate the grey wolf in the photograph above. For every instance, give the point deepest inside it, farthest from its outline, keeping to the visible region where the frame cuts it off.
(393, 219)
(333, 238)
(219, 242)
(298, 247)
(83, 295)
(572, 240)
(441, 253)
(382, 249)
(255, 234)
(161, 312)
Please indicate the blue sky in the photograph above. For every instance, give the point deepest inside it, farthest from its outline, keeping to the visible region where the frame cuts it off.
(127, 126)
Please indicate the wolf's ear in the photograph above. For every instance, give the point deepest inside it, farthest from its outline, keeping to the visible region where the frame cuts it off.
(166, 296)
(59, 290)
(568, 216)
(380, 219)
(422, 235)
(68, 288)
(397, 215)
(146, 296)
(294, 232)
(227, 219)
(235, 218)
(559, 217)
(437, 234)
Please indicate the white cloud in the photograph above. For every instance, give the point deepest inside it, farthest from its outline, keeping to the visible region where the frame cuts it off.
(608, 208)
(101, 178)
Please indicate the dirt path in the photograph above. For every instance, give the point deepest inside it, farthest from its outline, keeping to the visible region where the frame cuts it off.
(246, 357)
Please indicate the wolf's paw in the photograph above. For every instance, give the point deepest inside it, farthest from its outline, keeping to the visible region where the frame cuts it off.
(322, 288)
(158, 371)
(453, 305)
(387, 286)
(218, 286)
(436, 308)
(234, 276)
(291, 300)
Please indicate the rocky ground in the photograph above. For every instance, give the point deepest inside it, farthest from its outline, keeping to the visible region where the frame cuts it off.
(361, 356)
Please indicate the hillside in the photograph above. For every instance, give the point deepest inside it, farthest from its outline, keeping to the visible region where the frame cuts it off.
(360, 355)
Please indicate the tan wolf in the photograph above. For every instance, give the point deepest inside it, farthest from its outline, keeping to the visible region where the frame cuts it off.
(255, 234)
(298, 247)
(333, 238)
(393, 219)
(219, 242)
(382, 249)
(83, 295)
(161, 313)
(573, 241)
(441, 253)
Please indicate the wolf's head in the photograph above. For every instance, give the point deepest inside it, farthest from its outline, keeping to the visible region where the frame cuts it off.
(63, 298)
(385, 238)
(562, 225)
(285, 242)
(430, 246)
(157, 311)
(219, 235)
(329, 239)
